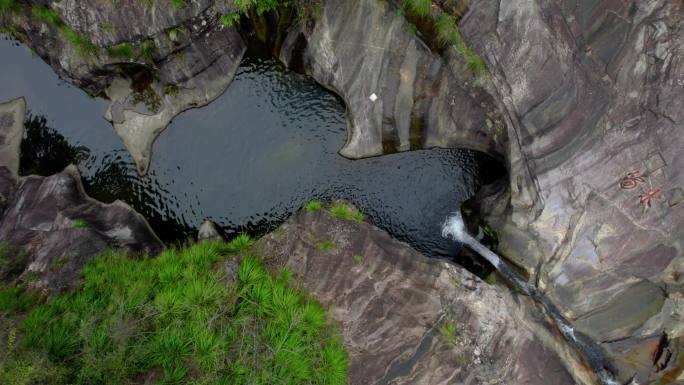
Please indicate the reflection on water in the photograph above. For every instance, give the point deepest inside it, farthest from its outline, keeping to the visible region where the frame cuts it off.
(248, 160)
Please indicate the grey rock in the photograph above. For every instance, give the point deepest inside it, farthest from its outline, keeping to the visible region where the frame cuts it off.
(12, 116)
(189, 50)
(399, 94)
(593, 92)
(392, 303)
(61, 228)
(209, 231)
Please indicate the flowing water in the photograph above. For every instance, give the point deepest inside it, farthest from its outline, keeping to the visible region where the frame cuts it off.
(248, 161)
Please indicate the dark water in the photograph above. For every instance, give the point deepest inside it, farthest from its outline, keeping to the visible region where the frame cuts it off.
(248, 161)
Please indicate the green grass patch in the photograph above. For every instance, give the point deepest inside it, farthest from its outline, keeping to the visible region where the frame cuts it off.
(81, 44)
(240, 243)
(418, 7)
(230, 19)
(341, 210)
(358, 259)
(79, 223)
(9, 7)
(13, 261)
(313, 206)
(176, 319)
(449, 34)
(491, 278)
(121, 51)
(15, 299)
(325, 245)
(448, 331)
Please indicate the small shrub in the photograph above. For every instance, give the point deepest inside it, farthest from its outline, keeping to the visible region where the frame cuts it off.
(313, 206)
(491, 279)
(358, 259)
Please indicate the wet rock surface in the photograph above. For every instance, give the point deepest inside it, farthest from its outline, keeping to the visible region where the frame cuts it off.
(394, 307)
(57, 227)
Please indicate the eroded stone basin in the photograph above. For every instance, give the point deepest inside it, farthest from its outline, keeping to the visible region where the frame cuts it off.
(251, 158)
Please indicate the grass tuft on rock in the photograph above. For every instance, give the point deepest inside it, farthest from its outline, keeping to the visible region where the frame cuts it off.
(80, 43)
(313, 206)
(449, 34)
(240, 243)
(341, 210)
(173, 319)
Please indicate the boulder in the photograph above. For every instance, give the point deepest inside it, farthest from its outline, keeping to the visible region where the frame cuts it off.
(209, 231)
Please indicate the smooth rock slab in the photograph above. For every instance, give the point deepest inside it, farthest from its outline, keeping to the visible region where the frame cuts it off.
(61, 228)
(392, 303)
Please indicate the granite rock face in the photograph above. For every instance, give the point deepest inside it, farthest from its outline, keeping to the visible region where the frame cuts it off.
(393, 306)
(400, 95)
(593, 96)
(152, 61)
(55, 224)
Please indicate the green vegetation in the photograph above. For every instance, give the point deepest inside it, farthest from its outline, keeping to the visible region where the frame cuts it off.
(178, 4)
(358, 259)
(448, 331)
(12, 261)
(173, 319)
(418, 7)
(313, 206)
(9, 7)
(240, 243)
(79, 223)
(171, 89)
(15, 299)
(491, 278)
(341, 210)
(230, 19)
(448, 34)
(121, 51)
(81, 44)
(325, 245)
(492, 236)
(146, 50)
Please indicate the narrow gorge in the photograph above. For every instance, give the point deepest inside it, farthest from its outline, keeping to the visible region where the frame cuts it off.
(317, 147)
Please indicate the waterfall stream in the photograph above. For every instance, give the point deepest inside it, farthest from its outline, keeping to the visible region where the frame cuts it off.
(454, 228)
